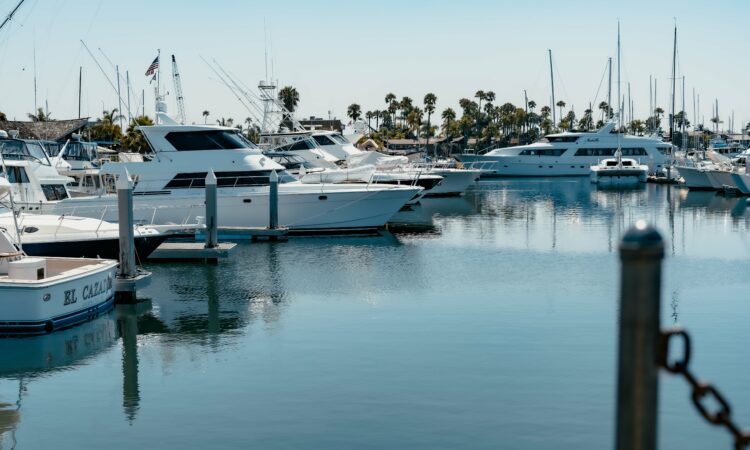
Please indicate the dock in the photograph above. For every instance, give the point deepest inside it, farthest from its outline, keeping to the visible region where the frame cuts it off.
(191, 251)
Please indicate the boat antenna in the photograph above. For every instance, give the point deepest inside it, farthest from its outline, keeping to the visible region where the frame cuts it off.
(9, 17)
(265, 46)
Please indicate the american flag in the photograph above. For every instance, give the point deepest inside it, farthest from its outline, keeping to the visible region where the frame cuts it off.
(152, 68)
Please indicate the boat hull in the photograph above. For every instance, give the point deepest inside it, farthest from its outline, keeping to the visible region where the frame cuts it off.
(455, 182)
(309, 209)
(44, 306)
(539, 166)
(108, 248)
(695, 178)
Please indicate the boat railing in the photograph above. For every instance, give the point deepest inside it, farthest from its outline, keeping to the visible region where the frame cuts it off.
(150, 211)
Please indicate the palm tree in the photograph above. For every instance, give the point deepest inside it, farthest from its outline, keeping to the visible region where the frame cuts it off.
(134, 140)
(489, 96)
(604, 108)
(225, 122)
(106, 129)
(39, 116)
(368, 116)
(390, 98)
(354, 111)
(429, 106)
(205, 116)
(376, 116)
(289, 97)
(561, 104)
(449, 116)
(532, 105)
(481, 96)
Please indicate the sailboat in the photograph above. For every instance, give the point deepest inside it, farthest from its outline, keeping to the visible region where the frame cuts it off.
(618, 171)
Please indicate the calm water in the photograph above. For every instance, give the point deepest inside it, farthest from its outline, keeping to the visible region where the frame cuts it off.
(489, 322)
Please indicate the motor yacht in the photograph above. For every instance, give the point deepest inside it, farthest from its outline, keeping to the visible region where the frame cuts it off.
(569, 154)
(169, 185)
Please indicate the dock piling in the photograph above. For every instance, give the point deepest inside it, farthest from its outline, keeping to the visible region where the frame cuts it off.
(641, 255)
(212, 229)
(273, 201)
(127, 267)
(129, 278)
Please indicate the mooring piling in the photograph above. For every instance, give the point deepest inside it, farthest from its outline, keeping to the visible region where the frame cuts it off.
(641, 255)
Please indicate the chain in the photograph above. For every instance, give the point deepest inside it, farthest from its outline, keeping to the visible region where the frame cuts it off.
(701, 390)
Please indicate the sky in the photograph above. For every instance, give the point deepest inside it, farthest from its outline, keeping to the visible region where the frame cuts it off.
(340, 52)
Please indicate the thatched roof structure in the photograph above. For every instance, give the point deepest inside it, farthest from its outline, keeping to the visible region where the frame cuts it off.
(51, 130)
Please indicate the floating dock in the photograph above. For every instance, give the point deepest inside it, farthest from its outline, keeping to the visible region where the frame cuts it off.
(191, 251)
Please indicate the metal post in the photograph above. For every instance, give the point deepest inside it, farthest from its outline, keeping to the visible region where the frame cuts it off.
(211, 211)
(641, 255)
(273, 201)
(127, 267)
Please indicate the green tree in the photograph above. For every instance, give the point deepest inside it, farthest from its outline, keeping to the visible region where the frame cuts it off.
(354, 111)
(429, 106)
(134, 140)
(107, 129)
(561, 104)
(39, 116)
(449, 118)
(289, 97)
(205, 116)
(3, 117)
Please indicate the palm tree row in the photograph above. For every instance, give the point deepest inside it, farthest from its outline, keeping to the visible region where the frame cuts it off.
(486, 123)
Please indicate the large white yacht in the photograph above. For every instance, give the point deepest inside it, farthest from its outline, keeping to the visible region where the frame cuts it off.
(569, 154)
(169, 185)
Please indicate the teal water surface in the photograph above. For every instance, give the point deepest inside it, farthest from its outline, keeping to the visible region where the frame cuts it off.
(487, 321)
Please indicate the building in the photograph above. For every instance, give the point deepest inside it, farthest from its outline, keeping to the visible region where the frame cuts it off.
(408, 146)
(51, 130)
(318, 123)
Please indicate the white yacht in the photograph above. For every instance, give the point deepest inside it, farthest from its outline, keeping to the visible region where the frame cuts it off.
(569, 154)
(169, 186)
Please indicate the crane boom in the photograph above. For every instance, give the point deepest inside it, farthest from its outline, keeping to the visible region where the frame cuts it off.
(178, 91)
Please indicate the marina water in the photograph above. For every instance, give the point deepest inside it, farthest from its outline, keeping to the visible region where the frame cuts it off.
(486, 321)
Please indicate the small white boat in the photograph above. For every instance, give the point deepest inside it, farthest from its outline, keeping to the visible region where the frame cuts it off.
(43, 294)
(618, 171)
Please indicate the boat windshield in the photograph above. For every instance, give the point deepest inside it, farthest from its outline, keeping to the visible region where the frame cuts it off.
(339, 138)
(20, 150)
(208, 140)
(80, 151)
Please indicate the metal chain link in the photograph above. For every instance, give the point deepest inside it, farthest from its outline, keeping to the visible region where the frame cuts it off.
(701, 390)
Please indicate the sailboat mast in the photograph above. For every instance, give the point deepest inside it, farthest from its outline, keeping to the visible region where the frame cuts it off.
(609, 89)
(618, 152)
(80, 83)
(674, 82)
(552, 82)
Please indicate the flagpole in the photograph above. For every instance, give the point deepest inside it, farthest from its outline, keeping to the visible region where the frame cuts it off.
(158, 86)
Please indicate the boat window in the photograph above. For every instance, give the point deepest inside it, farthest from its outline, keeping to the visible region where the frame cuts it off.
(16, 175)
(80, 151)
(207, 140)
(627, 163)
(195, 180)
(323, 140)
(610, 152)
(561, 138)
(665, 150)
(20, 151)
(54, 191)
(611, 163)
(52, 148)
(340, 139)
(543, 151)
